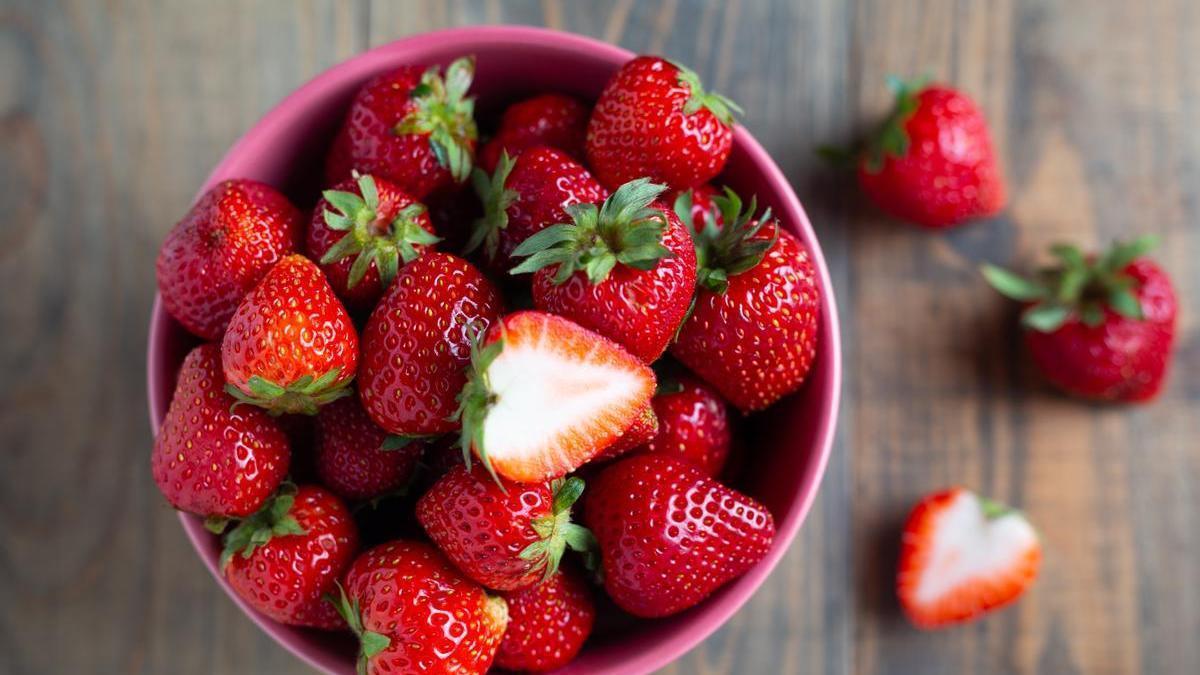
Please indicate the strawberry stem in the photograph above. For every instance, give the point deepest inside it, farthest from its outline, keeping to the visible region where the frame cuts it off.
(302, 397)
(446, 114)
(274, 519)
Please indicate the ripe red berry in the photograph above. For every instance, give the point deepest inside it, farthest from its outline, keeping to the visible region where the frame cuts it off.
(358, 460)
(547, 623)
(550, 120)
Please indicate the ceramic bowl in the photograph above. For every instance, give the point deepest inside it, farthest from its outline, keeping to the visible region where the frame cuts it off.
(787, 447)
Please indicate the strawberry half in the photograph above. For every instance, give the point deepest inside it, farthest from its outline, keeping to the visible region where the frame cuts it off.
(210, 457)
(552, 120)
(1099, 327)
(963, 556)
(625, 269)
(546, 395)
(290, 346)
(415, 128)
(414, 613)
(503, 535)
(362, 232)
(547, 623)
(286, 558)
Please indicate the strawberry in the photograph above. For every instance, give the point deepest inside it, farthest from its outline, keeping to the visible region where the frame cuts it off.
(503, 535)
(932, 162)
(1098, 327)
(526, 195)
(693, 424)
(547, 623)
(362, 232)
(963, 556)
(358, 460)
(669, 535)
(412, 127)
(626, 269)
(644, 428)
(284, 559)
(414, 613)
(221, 249)
(211, 458)
(551, 120)
(695, 206)
(290, 346)
(417, 344)
(655, 120)
(545, 395)
(753, 330)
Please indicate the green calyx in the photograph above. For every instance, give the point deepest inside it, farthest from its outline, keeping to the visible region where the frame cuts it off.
(370, 238)
(891, 138)
(557, 532)
(496, 199)
(625, 229)
(723, 251)
(993, 509)
(302, 397)
(721, 106)
(447, 114)
(370, 643)
(274, 519)
(1077, 287)
(393, 442)
(476, 399)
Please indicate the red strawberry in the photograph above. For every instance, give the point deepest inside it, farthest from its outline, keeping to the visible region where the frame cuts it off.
(357, 459)
(644, 428)
(552, 120)
(290, 346)
(211, 458)
(695, 206)
(417, 344)
(362, 232)
(547, 623)
(753, 331)
(503, 535)
(525, 196)
(963, 556)
(693, 424)
(932, 161)
(625, 269)
(546, 395)
(221, 249)
(412, 127)
(655, 120)
(414, 613)
(1100, 328)
(669, 535)
(286, 558)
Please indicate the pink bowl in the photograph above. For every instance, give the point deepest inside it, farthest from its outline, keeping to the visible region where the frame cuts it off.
(791, 442)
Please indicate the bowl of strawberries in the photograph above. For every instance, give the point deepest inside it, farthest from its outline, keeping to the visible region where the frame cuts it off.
(462, 362)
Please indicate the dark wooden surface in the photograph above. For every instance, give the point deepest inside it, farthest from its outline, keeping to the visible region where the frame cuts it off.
(112, 113)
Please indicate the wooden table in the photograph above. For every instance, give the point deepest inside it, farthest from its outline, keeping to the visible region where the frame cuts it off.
(112, 113)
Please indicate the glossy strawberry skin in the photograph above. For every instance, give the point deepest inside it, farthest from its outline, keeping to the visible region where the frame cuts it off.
(483, 527)
(949, 174)
(221, 249)
(289, 327)
(643, 430)
(288, 577)
(438, 621)
(638, 309)
(1121, 359)
(210, 458)
(417, 343)
(547, 623)
(350, 457)
(693, 424)
(545, 181)
(321, 238)
(368, 143)
(756, 342)
(638, 129)
(669, 535)
(551, 120)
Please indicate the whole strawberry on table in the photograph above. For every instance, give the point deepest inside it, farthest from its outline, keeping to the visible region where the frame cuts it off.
(481, 419)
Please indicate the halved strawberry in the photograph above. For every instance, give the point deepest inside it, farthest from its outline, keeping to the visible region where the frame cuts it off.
(546, 395)
(963, 556)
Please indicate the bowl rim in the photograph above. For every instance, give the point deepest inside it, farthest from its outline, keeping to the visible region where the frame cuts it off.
(716, 610)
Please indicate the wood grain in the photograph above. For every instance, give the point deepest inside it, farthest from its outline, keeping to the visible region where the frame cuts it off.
(111, 114)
